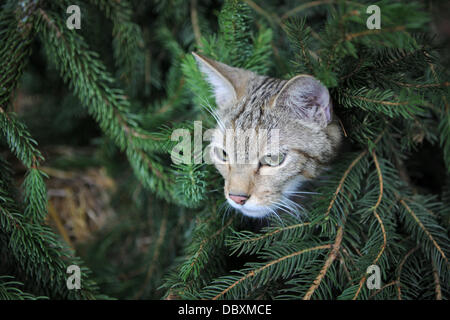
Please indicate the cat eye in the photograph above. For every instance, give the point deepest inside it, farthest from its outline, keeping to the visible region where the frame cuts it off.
(272, 160)
(221, 154)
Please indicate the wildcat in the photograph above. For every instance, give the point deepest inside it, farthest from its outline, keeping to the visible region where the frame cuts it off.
(299, 110)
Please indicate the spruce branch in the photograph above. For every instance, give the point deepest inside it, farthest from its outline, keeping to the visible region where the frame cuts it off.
(348, 170)
(304, 6)
(351, 36)
(255, 272)
(444, 124)
(19, 140)
(387, 285)
(16, 37)
(195, 24)
(346, 270)
(399, 271)
(299, 36)
(377, 100)
(344, 177)
(339, 234)
(199, 253)
(203, 243)
(234, 24)
(88, 78)
(14, 55)
(9, 290)
(425, 230)
(380, 221)
(272, 18)
(437, 282)
(39, 254)
(128, 43)
(251, 243)
(331, 257)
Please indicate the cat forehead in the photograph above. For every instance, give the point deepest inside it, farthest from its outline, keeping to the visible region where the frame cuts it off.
(254, 108)
(259, 136)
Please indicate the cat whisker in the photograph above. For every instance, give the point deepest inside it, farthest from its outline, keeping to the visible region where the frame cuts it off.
(301, 192)
(222, 206)
(284, 204)
(293, 207)
(294, 214)
(301, 211)
(226, 208)
(294, 204)
(282, 207)
(207, 106)
(294, 196)
(273, 212)
(229, 211)
(275, 206)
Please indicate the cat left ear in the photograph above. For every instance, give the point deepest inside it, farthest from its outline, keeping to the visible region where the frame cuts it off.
(229, 83)
(307, 98)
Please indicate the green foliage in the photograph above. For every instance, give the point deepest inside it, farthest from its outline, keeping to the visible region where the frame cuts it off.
(173, 235)
(128, 43)
(108, 105)
(235, 32)
(361, 216)
(34, 250)
(35, 195)
(15, 48)
(19, 140)
(9, 290)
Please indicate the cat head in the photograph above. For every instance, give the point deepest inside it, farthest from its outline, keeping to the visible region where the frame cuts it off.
(272, 135)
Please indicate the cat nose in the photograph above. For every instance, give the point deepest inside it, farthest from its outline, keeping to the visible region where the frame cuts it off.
(238, 198)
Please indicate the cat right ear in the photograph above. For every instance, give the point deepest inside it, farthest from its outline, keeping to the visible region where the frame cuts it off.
(228, 83)
(307, 98)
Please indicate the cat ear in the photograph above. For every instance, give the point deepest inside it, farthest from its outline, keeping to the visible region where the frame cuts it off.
(228, 83)
(308, 98)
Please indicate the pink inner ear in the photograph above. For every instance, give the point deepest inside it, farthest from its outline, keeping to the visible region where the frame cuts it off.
(328, 112)
(325, 102)
(308, 99)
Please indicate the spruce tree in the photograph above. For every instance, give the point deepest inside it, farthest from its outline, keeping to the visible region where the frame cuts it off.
(123, 83)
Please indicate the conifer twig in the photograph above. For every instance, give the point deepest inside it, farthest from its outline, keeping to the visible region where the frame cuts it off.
(304, 6)
(351, 36)
(174, 97)
(411, 212)
(333, 254)
(426, 85)
(195, 24)
(204, 241)
(400, 267)
(268, 234)
(380, 221)
(261, 11)
(437, 283)
(344, 177)
(271, 263)
(382, 288)
(347, 273)
(387, 103)
(347, 172)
